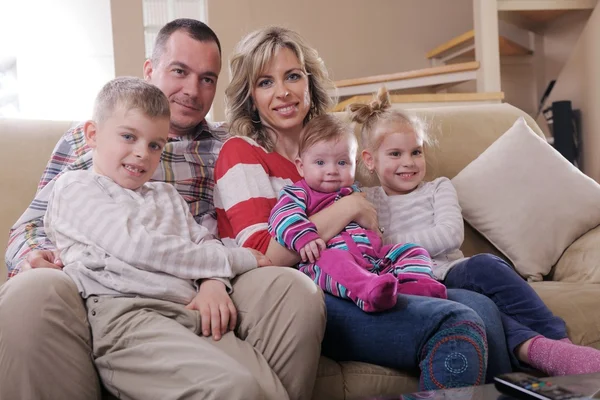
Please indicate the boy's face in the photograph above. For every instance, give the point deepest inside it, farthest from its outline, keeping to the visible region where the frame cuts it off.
(328, 166)
(127, 146)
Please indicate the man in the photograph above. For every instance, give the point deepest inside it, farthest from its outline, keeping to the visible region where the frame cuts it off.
(45, 342)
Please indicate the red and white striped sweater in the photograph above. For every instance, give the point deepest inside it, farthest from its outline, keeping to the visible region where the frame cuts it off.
(248, 180)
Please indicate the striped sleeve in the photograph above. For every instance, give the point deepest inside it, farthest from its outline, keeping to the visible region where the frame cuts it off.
(83, 210)
(288, 223)
(447, 231)
(28, 233)
(244, 195)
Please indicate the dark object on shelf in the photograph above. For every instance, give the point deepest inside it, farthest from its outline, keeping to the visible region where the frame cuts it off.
(565, 125)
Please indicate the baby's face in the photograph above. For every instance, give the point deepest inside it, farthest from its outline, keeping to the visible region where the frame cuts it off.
(128, 146)
(329, 166)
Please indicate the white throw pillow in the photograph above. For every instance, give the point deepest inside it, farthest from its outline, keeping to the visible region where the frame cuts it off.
(527, 200)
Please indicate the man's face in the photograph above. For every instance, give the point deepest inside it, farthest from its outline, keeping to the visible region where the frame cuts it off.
(187, 73)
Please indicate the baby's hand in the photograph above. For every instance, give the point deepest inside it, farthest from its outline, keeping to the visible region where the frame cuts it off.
(261, 259)
(312, 250)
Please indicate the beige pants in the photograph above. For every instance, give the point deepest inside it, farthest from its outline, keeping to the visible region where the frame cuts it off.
(150, 349)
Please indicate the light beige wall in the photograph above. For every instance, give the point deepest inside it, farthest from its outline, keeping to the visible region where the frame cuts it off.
(579, 81)
(355, 37)
(127, 20)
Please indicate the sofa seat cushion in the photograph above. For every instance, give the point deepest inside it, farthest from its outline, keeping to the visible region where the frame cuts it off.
(357, 380)
(577, 305)
(362, 380)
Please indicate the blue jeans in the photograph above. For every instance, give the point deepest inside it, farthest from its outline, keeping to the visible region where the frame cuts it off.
(442, 338)
(524, 314)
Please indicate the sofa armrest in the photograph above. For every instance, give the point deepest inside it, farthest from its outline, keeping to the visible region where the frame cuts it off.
(581, 261)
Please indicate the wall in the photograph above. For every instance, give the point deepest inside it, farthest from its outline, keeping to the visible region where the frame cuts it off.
(579, 81)
(355, 38)
(127, 23)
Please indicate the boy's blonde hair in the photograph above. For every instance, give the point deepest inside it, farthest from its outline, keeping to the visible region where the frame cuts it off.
(250, 57)
(325, 128)
(129, 93)
(379, 111)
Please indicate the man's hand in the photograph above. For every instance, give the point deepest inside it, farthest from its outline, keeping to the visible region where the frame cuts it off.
(217, 312)
(312, 250)
(42, 259)
(261, 259)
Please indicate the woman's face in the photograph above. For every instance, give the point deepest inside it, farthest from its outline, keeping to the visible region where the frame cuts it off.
(281, 93)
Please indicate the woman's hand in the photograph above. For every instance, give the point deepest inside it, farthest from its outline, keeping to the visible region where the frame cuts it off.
(261, 259)
(333, 219)
(217, 312)
(364, 212)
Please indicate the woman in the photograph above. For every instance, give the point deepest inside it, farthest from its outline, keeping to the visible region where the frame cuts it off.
(278, 84)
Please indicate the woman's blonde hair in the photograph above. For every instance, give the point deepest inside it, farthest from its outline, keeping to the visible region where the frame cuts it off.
(380, 110)
(250, 57)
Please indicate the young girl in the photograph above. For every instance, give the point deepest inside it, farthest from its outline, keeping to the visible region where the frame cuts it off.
(428, 213)
(354, 264)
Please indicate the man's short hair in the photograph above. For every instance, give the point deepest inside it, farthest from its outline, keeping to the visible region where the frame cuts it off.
(130, 93)
(195, 29)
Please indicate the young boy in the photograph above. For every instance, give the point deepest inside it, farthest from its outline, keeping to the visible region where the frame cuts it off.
(354, 264)
(132, 247)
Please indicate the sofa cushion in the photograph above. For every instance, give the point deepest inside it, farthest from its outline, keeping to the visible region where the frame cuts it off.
(577, 305)
(330, 381)
(362, 380)
(581, 261)
(527, 200)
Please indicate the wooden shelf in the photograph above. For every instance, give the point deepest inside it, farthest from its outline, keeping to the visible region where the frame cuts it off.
(426, 77)
(465, 45)
(427, 98)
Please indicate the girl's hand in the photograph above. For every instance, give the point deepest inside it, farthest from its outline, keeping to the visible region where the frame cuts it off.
(312, 250)
(217, 312)
(261, 259)
(363, 211)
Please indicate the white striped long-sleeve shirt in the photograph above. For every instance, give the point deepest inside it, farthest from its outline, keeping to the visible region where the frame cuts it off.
(429, 216)
(116, 241)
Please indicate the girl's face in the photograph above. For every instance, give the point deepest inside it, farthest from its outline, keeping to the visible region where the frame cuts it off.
(399, 161)
(281, 93)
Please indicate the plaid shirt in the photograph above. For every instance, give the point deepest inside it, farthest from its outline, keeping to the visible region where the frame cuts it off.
(187, 163)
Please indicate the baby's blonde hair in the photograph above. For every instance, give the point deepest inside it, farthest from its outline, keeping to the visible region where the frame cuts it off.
(325, 128)
(379, 111)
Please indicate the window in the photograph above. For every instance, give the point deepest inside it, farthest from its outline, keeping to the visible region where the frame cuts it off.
(158, 12)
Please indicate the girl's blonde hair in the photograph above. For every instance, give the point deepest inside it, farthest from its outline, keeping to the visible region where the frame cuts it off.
(378, 111)
(250, 57)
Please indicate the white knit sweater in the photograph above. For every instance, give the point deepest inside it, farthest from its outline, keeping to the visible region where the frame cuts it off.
(429, 216)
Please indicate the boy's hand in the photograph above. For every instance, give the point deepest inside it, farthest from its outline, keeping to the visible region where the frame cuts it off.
(217, 312)
(312, 250)
(261, 259)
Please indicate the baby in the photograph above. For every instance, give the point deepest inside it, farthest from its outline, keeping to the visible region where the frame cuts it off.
(354, 264)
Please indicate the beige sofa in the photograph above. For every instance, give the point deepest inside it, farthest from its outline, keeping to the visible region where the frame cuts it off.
(462, 134)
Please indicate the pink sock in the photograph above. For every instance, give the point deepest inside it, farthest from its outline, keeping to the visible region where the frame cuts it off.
(559, 357)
